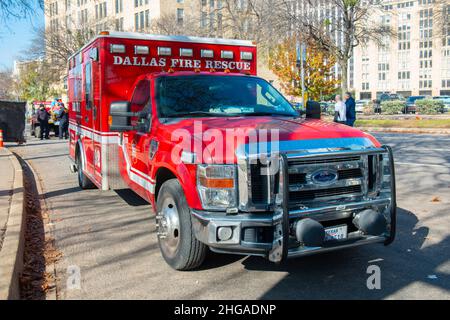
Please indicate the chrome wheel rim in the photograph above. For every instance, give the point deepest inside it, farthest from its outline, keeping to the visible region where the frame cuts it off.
(168, 223)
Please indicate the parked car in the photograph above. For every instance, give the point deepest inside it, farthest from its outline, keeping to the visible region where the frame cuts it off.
(445, 100)
(360, 104)
(410, 106)
(324, 106)
(390, 97)
(385, 97)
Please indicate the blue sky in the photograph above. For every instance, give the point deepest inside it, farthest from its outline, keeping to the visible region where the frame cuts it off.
(15, 36)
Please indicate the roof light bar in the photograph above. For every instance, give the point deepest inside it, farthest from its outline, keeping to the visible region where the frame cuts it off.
(224, 54)
(186, 52)
(141, 50)
(164, 51)
(117, 48)
(206, 53)
(245, 55)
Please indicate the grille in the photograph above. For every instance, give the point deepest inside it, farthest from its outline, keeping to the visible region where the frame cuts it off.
(349, 174)
(303, 168)
(297, 178)
(306, 195)
(259, 184)
(320, 161)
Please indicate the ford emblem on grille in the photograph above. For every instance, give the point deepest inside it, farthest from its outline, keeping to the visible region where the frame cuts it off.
(324, 177)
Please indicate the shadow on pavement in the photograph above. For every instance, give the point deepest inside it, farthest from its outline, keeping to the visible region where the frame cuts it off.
(332, 275)
(61, 192)
(131, 198)
(52, 156)
(27, 144)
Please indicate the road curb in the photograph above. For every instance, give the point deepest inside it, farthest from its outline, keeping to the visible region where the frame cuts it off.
(406, 130)
(11, 254)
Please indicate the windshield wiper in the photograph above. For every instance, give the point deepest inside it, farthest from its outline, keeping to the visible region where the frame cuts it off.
(267, 114)
(197, 113)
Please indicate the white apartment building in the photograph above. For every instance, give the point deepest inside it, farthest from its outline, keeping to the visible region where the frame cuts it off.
(139, 16)
(415, 62)
(119, 15)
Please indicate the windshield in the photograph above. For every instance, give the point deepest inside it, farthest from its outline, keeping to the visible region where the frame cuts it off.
(211, 96)
(413, 99)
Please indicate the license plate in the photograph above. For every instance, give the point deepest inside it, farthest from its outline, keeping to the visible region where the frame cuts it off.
(336, 233)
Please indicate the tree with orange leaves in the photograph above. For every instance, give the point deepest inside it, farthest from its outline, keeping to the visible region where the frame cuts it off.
(319, 75)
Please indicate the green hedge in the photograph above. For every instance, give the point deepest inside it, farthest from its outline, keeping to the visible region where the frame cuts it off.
(392, 107)
(428, 106)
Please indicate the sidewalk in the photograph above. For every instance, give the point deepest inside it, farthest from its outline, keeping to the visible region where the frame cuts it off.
(11, 224)
(6, 189)
(437, 131)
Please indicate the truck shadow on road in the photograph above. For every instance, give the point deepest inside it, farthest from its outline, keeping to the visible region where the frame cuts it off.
(343, 274)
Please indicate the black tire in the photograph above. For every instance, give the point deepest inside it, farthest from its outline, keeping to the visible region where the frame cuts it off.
(83, 181)
(188, 253)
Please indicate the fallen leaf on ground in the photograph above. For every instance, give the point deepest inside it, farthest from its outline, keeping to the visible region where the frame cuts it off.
(436, 199)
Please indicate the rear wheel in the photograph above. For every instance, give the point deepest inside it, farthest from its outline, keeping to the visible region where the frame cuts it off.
(177, 242)
(83, 181)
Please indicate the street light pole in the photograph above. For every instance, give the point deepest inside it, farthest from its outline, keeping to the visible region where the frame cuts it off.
(301, 59)
(302, 71)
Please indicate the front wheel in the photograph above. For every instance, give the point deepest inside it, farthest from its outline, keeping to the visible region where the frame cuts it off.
(177, 242)
(83, 181)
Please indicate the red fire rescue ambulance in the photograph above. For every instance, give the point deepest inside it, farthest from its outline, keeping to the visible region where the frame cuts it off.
(222, 157)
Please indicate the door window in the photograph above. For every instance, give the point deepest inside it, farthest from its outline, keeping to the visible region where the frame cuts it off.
(88, 85)
(141, 102)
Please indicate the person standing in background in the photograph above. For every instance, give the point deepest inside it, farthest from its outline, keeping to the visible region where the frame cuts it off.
(350, 109)
(43, 116)
(340, 113)
(63, 119)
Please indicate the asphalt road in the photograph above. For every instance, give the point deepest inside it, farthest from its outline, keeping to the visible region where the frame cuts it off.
(110, 237)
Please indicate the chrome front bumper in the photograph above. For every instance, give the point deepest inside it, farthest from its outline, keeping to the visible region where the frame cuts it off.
(278, 247)
(206, 225)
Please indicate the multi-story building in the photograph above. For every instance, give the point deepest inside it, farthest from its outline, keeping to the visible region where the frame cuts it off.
(120, 15)
(414, 62)
(195, 17)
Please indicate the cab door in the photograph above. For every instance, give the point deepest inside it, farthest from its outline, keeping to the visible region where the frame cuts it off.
(138, 141)
(87, 120)
(95, 113)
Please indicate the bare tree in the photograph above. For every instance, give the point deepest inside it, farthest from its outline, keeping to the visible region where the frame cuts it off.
(18, 8)
(168, 24)
(6, 85)
(441, 17)
(251, 20)
(337, 26)
(57, 45)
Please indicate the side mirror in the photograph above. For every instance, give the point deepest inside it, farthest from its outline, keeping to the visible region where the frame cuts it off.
(313, 110)
(120, 116)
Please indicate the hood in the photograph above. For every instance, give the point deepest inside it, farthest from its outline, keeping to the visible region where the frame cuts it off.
(221, 138)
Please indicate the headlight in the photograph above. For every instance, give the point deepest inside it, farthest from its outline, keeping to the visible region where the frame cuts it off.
(217, 186)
